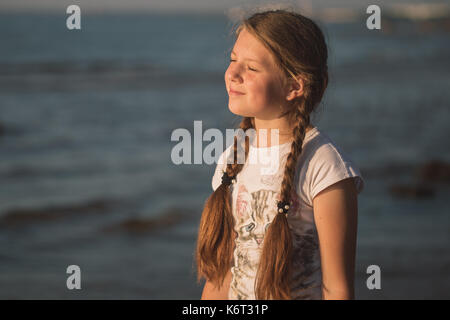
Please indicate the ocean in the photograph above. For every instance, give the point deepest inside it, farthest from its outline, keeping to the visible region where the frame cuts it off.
(86, 174)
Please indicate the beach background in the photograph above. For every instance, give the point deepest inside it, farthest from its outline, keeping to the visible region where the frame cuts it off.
(86, 118)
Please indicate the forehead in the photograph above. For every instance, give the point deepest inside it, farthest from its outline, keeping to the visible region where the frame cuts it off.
(248, 46)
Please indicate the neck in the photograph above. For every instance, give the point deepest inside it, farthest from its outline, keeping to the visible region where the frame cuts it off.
(268, 137)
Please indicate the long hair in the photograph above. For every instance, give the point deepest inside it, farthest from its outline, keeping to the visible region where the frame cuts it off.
(299, 49)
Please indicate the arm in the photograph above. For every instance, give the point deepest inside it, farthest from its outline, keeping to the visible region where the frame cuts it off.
(335, 214)
(210, 292)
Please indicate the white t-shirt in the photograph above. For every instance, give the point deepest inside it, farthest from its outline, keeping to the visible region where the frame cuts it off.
(254, 205)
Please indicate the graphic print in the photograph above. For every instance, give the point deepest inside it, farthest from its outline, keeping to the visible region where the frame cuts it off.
(306, 280)
(253, 214)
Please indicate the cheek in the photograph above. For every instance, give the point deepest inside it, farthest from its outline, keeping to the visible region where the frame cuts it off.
(265, 92)
(262, 95)
(274, 89)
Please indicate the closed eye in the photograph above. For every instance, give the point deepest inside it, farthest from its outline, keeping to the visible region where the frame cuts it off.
(251, 69)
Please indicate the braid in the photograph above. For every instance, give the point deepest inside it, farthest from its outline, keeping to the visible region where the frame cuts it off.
(299, 132)
(275, 268)
(234, 168)
(215, 243)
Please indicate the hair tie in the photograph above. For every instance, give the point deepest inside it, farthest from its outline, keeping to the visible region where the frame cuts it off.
(227, 180)
(283, 207)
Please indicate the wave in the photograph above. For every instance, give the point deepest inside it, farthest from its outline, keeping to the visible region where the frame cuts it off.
(433, 170)
(80, 67)
(9, 130)
(32, 172)
(98, 75)
(168, 218)
(21, 216)
(424, 179)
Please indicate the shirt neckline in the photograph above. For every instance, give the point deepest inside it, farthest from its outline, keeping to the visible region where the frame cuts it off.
(281, 146)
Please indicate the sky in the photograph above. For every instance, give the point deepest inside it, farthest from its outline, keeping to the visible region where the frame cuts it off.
(179, 5)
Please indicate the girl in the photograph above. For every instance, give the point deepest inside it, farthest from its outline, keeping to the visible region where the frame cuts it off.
(259, 234)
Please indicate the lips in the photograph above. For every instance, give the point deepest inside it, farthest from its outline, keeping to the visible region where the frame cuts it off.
(237, 93)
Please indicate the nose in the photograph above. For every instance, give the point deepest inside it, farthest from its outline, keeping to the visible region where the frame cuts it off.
(233, 73)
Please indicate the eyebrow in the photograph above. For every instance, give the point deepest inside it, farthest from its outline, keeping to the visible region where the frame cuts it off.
(248, 59)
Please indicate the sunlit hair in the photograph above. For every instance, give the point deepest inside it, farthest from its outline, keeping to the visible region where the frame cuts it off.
(300, 51)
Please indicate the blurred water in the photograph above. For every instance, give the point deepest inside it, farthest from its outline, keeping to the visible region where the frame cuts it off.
(85, 124)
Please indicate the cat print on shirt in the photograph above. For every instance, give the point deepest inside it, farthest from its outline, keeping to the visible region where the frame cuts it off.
(253, 214)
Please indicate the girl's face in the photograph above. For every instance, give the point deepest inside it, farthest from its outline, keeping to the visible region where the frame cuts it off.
(253, 80)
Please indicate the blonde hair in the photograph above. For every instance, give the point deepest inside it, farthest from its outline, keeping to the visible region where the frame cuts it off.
(299, 49)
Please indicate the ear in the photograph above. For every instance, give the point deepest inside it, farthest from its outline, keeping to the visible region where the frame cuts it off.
(295, 88)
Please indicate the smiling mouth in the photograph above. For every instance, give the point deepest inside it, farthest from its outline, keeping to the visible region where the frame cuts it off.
(235, 93)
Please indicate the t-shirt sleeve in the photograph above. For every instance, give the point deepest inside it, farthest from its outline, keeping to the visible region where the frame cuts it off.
(330, 165)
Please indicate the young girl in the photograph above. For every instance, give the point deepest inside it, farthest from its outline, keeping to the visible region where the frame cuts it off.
(291, 234)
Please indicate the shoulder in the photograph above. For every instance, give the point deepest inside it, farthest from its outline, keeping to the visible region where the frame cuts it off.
(322, 164)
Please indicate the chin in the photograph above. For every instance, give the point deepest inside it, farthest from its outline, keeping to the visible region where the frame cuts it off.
(234, 109)
(239, 110)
